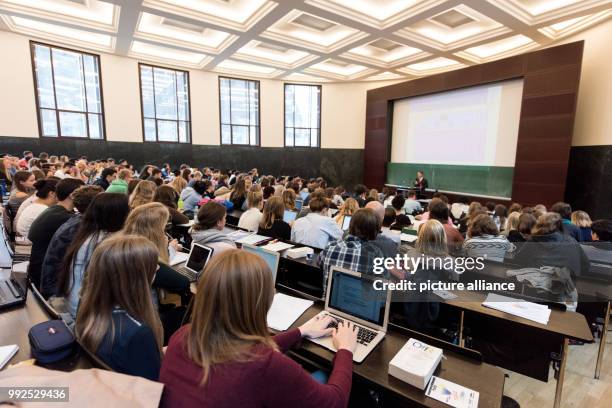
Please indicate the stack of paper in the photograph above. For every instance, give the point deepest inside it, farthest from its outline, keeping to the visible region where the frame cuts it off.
(517, 307)
(415, 363)
(408, 237)
(6, 353)
(286, 310)
(179, 258)
(277, 246)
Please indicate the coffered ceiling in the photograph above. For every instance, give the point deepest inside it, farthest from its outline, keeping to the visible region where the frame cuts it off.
(306, 40)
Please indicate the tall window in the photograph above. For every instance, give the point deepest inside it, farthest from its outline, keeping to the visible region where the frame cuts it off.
(68, 92)
(302, 115)
(239, 101)
(165, 104)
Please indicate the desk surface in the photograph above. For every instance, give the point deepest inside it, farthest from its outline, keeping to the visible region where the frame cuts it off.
(567, 324)
(488, 380)
(16, 324)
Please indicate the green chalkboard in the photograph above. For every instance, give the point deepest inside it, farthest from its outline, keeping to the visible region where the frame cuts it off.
(485, 180)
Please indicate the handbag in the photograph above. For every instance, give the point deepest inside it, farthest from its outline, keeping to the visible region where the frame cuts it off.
(51, 341)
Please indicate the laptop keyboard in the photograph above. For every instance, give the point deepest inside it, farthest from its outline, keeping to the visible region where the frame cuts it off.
(187, 273)
(364, 335)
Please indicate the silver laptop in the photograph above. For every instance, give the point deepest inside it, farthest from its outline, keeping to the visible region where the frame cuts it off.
(198, 258)
(351, 297)
(272, 258)
(346, 222)
(289, 216)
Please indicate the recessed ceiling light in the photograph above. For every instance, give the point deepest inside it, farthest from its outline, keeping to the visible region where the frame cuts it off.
(181, 25)
(435, 63)
(312, 22)
(234, 65)
(452, 18)
(500, 46)
(67, 34)
(92, 11)
(166, 53)
(385, 45)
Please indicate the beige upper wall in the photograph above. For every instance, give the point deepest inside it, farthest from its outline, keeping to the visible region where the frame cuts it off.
(593, 124)
(343, 104)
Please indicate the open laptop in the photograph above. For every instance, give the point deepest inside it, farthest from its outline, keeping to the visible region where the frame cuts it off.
(299, 203)
(346, 222)
(351, 297)
(289, 216)
(198, 258)
(13, 290)
(272, 258)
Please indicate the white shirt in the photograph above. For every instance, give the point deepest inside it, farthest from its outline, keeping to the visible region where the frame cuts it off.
(23, 206)
(27, 218)
(315, 230)
(250, 219)
(60, 174)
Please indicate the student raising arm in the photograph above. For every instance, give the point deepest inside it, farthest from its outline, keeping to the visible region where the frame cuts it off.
(117, 320)
(226, 356)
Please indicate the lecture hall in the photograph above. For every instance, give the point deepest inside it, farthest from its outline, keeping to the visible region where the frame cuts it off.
(306, 203)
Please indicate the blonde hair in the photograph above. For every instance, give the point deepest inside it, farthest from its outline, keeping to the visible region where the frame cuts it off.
(432, 239)
(233, 297)
(289, 198)
(143, 193)
(254, 198)
(178, 184)
(124, 173)
(512, 222)
(119, 274)
(349, 207)
(581, 219)
(149, 221)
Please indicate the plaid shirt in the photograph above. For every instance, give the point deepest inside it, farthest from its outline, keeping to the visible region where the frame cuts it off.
(351, 253)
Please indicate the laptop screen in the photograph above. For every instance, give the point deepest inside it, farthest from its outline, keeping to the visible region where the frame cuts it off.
(298, 204)
(356, 296)
(289, 216)
(198, 257)
(271, 258)
(346, 222)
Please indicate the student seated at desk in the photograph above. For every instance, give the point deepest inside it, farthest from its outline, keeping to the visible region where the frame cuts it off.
(601, 231)
(120, 184)
(250, 219)
(526, 222)
(358, 250)
(511, 225)
(425, 215)
(411, 205)
(360, 194)
(191, 196)
(167, 196)
(272, 223)
(438, 210)
(582, 220)
(62, 238)
(401, 219)
(142, 194)
(239, 193)
(104, 216)
(209, 228)
(474, 209)
(288, 197)
(117, 320)
(45, 197)
(45, 225)
(388, 241)
(22, 188)
(483, 240)
(316, 229)
(565, 212)
(548, 245)
(226, 357)
(348, 209)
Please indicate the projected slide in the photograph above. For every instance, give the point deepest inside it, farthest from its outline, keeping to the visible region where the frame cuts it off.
(471, 126)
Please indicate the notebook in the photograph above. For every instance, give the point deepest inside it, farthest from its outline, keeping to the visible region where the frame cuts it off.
(517, 307)
(6, 353)
(286, 310)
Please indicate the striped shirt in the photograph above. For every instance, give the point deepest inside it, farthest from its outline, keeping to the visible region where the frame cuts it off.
(491, 247)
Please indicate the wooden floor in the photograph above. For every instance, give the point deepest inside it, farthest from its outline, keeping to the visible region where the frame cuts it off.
(580, 389)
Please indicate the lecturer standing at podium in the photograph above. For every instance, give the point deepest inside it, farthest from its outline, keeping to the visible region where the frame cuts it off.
(420, 184)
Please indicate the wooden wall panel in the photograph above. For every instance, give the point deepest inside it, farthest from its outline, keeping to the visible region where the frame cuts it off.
(551, 78)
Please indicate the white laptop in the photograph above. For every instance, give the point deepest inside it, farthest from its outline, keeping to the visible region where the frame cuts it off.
(289, 216)
(272, 258)
(346, 222)
(351, 297)
(198, 258)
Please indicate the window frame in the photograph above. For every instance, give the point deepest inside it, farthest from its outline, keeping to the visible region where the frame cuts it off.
(142, 117)
(56, 109)
(248, 126)
(318, 146)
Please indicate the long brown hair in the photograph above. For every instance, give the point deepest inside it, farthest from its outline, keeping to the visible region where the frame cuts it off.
(274, 210)
(119, 274)
(234, 295)
(289, 199)
(143, 193)
(239, 190)
(149, 221)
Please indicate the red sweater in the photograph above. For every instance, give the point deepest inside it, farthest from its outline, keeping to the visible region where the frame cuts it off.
(271, 380)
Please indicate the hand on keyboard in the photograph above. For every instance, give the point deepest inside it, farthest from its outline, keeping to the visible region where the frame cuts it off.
(319, 327)
(345, 336)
